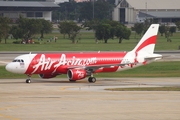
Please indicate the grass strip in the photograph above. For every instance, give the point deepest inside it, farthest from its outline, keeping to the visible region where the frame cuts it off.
(87, 43)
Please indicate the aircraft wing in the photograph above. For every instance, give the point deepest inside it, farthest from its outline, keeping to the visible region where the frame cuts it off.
(96, 66)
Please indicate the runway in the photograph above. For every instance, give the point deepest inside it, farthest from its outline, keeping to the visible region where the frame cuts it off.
(58, 99)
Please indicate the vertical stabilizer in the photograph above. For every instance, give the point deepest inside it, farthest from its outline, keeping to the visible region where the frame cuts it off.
(148, 41)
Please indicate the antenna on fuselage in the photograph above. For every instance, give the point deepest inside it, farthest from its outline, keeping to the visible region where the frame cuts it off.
(29, 52)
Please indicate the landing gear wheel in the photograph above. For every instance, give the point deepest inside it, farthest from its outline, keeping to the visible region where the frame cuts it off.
(92, 79)
(28, 80)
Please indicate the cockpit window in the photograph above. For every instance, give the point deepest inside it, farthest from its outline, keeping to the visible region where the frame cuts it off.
(14, 61)
(18, 60)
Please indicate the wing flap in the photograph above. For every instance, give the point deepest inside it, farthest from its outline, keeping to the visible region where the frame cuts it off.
(95, 66)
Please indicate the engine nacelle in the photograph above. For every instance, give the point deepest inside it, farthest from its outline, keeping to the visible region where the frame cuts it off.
(47, 76)
(76, 74)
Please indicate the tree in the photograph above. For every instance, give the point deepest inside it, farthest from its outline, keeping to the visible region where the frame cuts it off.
(178, 25)
(74, 32)
(122, 32)
(91, 25)
(111, 2)
(82, 11)
(86, 11)
(162, 29)
(70, 28)
(139, 27)
(102, 32)
(102, 10)
(46, 27)
(67, 11)
(106, 29)
(113, 24)
(64, 28)
(16, 32)
(167, 34)
(30, 27)
(4, 28)
(27, 28)
(172, 30)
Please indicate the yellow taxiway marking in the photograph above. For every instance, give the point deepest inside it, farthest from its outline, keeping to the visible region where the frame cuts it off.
(67, 87)
(8, 117)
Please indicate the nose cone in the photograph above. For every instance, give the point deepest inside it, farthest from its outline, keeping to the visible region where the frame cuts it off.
(8, 68)
(15, 67)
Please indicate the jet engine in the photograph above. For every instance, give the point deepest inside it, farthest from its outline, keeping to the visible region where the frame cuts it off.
(76, 74)
(47, 76)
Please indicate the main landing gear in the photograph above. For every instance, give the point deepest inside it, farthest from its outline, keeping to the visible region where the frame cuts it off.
(28, 80)
(92, 79)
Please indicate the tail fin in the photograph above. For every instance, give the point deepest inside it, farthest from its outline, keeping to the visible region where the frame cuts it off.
(148, 41)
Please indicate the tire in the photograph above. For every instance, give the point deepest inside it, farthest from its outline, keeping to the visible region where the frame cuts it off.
(28, 81)
(92, 79)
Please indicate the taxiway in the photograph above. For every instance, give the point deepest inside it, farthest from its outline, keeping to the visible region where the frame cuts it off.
(58, 99)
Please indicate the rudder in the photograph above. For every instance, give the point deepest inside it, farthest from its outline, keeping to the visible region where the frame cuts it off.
(148, 41)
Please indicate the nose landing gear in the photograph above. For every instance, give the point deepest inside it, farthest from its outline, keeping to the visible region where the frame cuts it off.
(28, 80)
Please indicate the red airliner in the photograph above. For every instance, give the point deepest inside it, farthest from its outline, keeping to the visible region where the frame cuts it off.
(77, 66)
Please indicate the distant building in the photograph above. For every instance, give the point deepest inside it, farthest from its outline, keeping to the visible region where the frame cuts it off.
(35, 10)
(132, 11)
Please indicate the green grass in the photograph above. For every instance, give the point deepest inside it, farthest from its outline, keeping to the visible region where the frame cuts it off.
(87, 43)
(155, 69)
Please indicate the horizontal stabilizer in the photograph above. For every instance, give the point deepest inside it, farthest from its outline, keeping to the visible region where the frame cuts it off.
(154, 57)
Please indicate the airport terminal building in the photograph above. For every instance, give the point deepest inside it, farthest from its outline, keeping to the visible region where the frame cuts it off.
(132, 11)
(35, 10)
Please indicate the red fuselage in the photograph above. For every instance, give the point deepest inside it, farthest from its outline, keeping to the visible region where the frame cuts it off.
(60, 63)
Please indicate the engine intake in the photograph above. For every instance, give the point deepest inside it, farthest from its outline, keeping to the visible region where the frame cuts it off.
(76, 74)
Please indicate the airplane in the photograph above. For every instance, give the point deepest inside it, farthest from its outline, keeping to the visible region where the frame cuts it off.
(79, 65)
